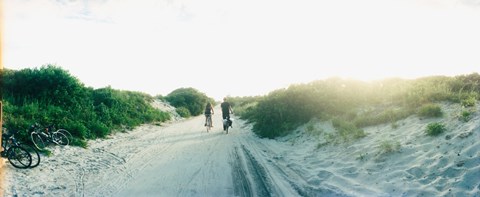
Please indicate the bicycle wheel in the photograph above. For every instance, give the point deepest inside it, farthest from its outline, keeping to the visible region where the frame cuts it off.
(66, 133)
(34, 153)
(209, 124)
(225, 126)
(38, 140)
(60, 139)
(19, 157)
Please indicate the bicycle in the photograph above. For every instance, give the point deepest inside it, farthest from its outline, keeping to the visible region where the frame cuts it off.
(33, 152)
(209, 124)
(63, 131)
(227, 123)
(42, 136)
(18, 156)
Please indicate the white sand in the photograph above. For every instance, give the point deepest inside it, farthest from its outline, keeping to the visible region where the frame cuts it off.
(445, 165)
(166, 107)
(181, 159)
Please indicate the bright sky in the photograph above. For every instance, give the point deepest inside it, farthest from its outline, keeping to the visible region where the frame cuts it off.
(241, 47)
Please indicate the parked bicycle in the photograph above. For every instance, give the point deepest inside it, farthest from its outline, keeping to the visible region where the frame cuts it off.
(34, 153)
(17, 155)
(42, 136)
(63, 131)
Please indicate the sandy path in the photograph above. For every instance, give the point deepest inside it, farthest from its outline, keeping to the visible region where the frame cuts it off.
(191, 162)
(186, 161)
(177, 159)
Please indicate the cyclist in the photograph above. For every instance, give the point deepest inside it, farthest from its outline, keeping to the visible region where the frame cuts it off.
(226, 110)
(208, 112)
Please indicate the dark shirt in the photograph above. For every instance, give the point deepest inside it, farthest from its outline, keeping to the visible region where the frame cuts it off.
(208, 109)
(225, 108)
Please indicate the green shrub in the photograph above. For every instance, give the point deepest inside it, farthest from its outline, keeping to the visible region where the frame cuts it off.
(77, 129)
(183, 112)
(429, 89)
(434, 129)
(386, 116)
(189, 98)
(50, 95)
(346, 130)
(282, 110)
(430, 110)
(49, 85)
(99, 129)
(465, 116)
(469, 102)
(244, 106)
(160, 97)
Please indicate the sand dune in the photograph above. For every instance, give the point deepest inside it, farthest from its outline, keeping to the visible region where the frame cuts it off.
(445, 165)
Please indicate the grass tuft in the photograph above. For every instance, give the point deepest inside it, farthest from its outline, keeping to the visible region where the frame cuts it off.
(389, 146)
(435, 129)
(430, 111)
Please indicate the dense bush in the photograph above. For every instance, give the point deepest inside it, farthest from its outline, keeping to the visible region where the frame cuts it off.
(49, 85)
(189, 98)
(243, 106)
(282, 110)
(183, 112)
(434, 129)
(51, 95)
(469, 101)
(364, 104)
(466, 83)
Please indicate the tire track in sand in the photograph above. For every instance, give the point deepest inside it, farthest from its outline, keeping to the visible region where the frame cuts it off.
(249, 176)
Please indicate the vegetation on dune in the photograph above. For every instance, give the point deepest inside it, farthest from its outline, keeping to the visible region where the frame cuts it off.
(466, 115)
(430, 111)
(243, 106)
(346, 130)
(389, 146)
(352, 104)
(51, 95)
(434, 129)
(188, 101)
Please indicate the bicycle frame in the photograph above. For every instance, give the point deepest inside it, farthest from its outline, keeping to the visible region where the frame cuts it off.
(209, 122)
(42, 136)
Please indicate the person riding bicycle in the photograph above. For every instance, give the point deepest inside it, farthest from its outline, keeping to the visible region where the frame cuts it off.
(208, 112)
(226, 110)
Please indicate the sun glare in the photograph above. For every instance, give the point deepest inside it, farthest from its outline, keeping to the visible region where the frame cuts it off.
(246, 47)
